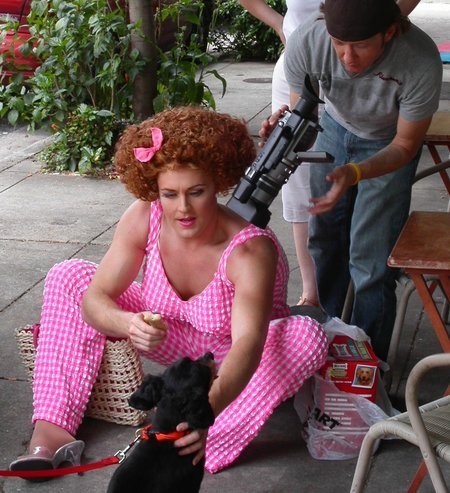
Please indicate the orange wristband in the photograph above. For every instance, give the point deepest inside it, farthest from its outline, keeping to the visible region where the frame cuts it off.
(358, 172)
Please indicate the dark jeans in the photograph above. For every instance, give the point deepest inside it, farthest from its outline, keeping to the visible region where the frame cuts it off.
(355, 239)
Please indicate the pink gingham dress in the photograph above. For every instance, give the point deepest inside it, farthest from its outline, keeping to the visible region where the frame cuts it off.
(70, 351)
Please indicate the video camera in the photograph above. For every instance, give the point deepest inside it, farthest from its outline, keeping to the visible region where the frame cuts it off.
(285, 149)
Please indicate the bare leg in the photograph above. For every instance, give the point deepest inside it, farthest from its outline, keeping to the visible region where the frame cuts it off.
(307, 270)
(48, 435)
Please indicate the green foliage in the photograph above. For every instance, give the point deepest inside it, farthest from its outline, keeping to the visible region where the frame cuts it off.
(13, 93)
(181, 77)
(85, 143)
(182, 70)
(86, 55)
(83, 88)
(237, 33)
(84, 84)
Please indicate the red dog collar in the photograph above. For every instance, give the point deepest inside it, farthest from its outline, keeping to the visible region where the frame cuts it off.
(147, 432)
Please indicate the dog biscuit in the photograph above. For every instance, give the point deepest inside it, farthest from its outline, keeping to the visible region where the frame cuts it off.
(155, 320)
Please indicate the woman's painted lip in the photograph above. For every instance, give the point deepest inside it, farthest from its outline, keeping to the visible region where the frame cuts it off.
(186, 222)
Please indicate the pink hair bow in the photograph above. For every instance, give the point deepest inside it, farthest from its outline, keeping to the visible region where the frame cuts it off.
(145, 154)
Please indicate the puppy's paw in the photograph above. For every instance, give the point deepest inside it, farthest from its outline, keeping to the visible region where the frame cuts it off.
(155, 320)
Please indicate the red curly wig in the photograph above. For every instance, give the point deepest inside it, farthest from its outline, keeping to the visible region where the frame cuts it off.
(192, 137)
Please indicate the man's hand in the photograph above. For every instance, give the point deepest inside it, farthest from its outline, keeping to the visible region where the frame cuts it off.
(269, 124)
(342, 177)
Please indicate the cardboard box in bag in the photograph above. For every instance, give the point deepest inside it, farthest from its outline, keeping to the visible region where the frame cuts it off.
(352, 366)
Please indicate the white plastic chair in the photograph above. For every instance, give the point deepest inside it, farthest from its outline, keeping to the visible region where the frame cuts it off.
(427, 427)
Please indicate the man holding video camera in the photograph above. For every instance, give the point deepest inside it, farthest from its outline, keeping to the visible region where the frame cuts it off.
(380, 78)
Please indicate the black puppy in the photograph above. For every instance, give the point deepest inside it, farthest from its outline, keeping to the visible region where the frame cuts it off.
(180, 394)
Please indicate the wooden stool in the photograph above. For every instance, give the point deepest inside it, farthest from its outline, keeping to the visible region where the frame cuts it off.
(439, 135)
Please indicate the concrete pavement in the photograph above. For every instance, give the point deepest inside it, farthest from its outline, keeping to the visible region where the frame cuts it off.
(47, 218)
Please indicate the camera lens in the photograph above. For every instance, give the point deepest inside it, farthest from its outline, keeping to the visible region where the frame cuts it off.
(266, 190)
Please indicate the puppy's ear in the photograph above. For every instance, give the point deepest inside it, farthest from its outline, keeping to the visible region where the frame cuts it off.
(148, 394)
(199, 413)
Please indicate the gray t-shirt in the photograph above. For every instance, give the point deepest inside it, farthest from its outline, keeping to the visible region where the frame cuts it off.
(406, 80)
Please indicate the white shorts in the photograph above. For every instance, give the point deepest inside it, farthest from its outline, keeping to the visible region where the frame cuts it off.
(296, 193)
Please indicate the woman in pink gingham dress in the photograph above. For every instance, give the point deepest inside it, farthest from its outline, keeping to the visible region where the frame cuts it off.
(218, 283)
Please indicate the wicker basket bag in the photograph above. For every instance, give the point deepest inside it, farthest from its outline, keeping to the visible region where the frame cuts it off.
(119, 376)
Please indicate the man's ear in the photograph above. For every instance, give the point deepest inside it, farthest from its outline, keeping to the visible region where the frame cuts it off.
(148, 394)
(389, 33)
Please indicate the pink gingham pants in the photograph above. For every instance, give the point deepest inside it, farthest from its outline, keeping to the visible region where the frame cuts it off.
(70, 351)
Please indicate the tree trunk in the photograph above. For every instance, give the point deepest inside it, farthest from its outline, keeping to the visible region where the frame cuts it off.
(144, 90)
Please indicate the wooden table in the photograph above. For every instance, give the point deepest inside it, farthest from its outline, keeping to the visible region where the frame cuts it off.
(423, 248)
(437, 135)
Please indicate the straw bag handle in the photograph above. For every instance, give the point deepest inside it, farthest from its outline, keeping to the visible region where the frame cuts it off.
(35, 328)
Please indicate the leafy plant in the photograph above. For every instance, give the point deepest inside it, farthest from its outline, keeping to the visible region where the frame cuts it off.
(84, 85)
(85, 49)
(237, 33)
(13, 99)
(183, 68)
(85, 143)
(83, 88)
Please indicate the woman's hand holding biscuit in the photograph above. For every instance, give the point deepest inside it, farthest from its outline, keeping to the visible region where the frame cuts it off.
(147, 331)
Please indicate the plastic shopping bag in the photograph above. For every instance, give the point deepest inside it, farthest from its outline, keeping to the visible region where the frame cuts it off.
(336, 423)
(335, 420)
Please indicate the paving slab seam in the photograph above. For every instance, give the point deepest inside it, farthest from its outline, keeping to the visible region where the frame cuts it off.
(27, 151)
(82, 246)
(21, 295)
(57, 242)
(17, 182)
(267, 109)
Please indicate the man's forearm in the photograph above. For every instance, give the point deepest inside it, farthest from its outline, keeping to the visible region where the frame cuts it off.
(389, 159)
